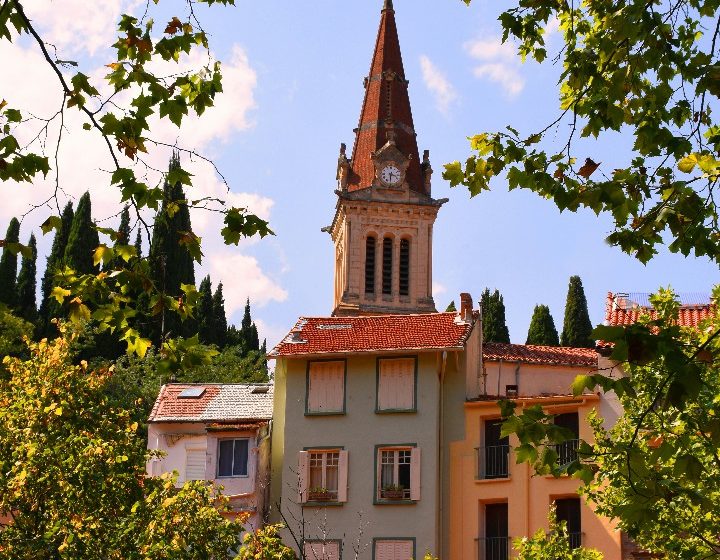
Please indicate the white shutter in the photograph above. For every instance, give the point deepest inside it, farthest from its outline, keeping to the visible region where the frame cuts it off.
(396, 384)
(195, 464)
(327, 387)
(384, 550)
(319, 550)
(403, 550)
(303, 475)
(343, 476)
(415, 473)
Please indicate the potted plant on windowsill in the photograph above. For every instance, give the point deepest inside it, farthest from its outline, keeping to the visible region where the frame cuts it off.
(320, 494)
(393, 492)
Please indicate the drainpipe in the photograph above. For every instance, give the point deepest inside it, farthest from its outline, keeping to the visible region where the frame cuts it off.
(482, 373)
(517, 379)
(440, 457)
(499, 376)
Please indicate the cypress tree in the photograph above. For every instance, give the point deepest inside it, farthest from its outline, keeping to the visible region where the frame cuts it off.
(171, 263)
(542, 329)
(8, 266)
(451, 308)
(49, 307)
(219, 317)
(27, 285)
(205, 316)
(234, 336)
(138, 243)
(493, 310)
(577, 327)
(253, 339)
(83, 239)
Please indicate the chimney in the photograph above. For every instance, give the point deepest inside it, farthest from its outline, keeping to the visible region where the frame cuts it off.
(466, 304)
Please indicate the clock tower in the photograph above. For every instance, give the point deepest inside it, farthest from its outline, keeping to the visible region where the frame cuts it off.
(383, 224)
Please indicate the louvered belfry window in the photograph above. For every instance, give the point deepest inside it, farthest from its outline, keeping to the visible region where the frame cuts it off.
(387, 266)
(370, 265)
(405, 267)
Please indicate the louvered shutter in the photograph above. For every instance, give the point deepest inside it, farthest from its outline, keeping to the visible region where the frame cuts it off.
(343, 476)
(415, 473)
(396, 390)
(322, 551)
(327, 387)
(303, 475)
(195, 464)
(384, 550)
(403, 550)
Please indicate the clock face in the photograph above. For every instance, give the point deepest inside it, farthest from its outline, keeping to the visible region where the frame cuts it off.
(390, 175)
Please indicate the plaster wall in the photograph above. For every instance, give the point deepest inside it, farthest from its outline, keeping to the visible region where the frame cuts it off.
(528, 496)
(359, 431)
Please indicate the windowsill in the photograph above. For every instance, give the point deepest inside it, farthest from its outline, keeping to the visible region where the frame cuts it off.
(341, 413)
(232, 477)
(381, 502)
(323, 504)
(487, 480)
(395, 410)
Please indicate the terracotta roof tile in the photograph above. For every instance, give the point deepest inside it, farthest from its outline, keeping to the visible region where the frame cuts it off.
(339, 335)
(542, 355)
(218, 403)
(622, 310)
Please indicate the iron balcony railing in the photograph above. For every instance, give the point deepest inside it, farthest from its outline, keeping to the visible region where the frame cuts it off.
(575, 540)
(567, 451)
(493, 461)
(493, 548)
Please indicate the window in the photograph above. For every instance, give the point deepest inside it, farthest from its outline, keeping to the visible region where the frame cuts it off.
(195, 464)
(232, 457)
(387, 266)
(322, 550)
(567, 450)
(398, 474)
(326, 388)
(493, 455)
(394, 549)
(568, 510)
(370, 244)
(494, 544)
(323, 475)
(405, 267)
(396, 384)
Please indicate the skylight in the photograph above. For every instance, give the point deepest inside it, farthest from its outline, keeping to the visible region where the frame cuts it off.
(192, 393)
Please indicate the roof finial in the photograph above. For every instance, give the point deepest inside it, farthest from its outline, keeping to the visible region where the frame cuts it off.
(388, 5)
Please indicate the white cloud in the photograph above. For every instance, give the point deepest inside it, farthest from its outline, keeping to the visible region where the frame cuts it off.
(438, 85)
(77, 26)
(498, 63)
(438, 289)
(242, 278)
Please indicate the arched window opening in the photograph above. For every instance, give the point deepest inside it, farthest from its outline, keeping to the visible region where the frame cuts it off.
(370, 265)
(387, 266)
(405, 267)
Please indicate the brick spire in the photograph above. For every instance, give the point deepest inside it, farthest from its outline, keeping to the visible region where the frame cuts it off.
(386, 110)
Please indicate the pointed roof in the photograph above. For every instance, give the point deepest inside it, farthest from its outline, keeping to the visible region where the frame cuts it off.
(386, 108)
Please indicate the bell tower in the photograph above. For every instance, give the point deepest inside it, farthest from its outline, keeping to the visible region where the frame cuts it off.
(383, 224)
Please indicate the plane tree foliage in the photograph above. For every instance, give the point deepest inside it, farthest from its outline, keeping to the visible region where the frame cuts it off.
(649, 69)
(657, 470)
(124, 129)
(72, 473)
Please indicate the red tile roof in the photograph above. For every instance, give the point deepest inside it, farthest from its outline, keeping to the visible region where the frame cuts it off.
(218, 403)
(623, 309)
(341, 335)
(386, 107)
(541, 355)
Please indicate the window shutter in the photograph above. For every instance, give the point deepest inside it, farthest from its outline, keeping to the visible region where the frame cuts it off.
(327, 387)
(396, 390)
(195, 464)
(403, 550)
(385, 550)
(303, 475)
(343, 476)
(322, 551)
(415, 473)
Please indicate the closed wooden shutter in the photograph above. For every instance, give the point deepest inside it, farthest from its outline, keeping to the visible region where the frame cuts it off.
(393, 550)
(319, 550)
(326, 392)
(343, 477)
(415, 473)
(396, 390)
(195, 464)
(303, 475)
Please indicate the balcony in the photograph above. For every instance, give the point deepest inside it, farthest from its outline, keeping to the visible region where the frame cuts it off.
(567, 451)
(575, 540)
(493, 462)
(493, 548)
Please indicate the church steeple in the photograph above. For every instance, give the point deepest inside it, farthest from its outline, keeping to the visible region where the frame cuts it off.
(383, 225)
(386, 114)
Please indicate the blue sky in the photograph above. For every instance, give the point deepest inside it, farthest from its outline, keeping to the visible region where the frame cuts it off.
(299, 68)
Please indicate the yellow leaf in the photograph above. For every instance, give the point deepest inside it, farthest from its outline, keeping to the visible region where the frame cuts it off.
(58, 411)
(688, 163)
(59, 294)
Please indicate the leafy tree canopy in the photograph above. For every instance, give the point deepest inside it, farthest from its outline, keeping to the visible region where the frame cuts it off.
(650, 69)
